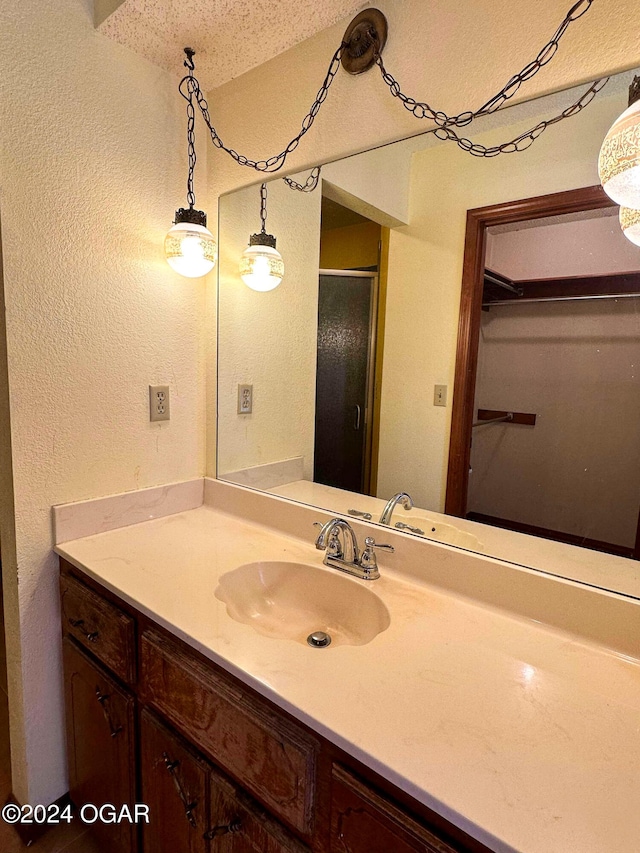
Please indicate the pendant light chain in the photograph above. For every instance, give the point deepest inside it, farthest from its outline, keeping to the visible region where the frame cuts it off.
(190, 90)
(422, 110)
(273, 164)
(309, 185)
(191, 133)
(524, 140)
(263, 208)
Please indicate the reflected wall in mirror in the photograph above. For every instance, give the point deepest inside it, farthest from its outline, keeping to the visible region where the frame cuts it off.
(353, 387)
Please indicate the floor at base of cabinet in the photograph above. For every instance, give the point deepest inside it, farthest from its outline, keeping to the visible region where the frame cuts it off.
(59, 839)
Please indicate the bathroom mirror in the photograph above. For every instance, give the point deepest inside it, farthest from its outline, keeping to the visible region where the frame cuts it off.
(336, 388)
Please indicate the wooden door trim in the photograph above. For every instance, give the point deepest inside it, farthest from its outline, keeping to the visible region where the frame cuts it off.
(478, 220)
(636, 550)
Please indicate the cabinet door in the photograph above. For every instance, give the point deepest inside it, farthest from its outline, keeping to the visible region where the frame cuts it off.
(100, 745)
(239, 825)
(363, 821)
(175, 786)
(273, 758)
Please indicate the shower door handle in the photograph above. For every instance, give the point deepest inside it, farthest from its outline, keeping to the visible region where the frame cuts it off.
(356, 424)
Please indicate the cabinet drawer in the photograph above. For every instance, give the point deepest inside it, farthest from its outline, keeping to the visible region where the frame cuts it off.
(363, 821)
(99, 626)
(270, 757)
(239, 825)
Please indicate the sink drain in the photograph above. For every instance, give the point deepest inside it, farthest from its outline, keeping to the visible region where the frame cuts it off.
(319, 640)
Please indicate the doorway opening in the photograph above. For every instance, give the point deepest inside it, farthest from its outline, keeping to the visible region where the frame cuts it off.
(351, 297)
(547, 403)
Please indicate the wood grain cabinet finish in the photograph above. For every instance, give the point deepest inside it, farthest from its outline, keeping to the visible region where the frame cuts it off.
(239, 825)
(274, 760)
(175, 786)
(363, 821)
(100, 745)
(193, 808)
(99, 626)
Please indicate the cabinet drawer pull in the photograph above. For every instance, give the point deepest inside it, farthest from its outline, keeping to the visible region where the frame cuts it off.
(103, 698)
(234, 826)
(189, 807)
(91, 636)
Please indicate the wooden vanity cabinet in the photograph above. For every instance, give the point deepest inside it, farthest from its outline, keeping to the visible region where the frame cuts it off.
(239, 825)
(175, 786)
(195, 807)
(274, 759)
(363, 821)
(100, 744)
(222, 769)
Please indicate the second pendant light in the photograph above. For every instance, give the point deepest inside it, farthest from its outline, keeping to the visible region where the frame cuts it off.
(261, 265)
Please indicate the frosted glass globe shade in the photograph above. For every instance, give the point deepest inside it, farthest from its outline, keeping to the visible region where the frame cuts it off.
(619, 160)
(261, 268)
(630, 224)
(190, 249)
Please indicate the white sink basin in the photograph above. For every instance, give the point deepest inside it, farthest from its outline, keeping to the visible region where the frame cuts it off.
(293, 600)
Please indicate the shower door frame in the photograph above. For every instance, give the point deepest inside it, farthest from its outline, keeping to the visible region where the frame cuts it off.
(373, 358)
(478, 221)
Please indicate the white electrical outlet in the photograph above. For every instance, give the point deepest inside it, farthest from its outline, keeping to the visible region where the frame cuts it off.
(439, 395)
(159, 403)
(245, 399)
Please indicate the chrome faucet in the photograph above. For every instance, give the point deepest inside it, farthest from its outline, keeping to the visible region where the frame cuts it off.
(401, 498)
(338, 539)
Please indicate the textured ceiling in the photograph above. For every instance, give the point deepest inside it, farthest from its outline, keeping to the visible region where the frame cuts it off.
(230, 37)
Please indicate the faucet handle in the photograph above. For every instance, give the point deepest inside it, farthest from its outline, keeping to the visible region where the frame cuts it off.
(370, 543)
(368, 561)
(366, 516)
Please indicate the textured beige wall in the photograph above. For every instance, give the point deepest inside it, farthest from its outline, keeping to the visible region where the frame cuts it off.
(8, 552)
(92, 167)
(454, 55)
(268, 340)
(425, 272)
(575, 365)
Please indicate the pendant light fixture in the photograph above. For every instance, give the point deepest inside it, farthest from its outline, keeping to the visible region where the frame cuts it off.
(361, 49)
(189, 245)
(261, 265)
(630, 224)
(619, 161)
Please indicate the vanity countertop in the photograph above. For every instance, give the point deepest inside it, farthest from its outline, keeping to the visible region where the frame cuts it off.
(525, 736)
